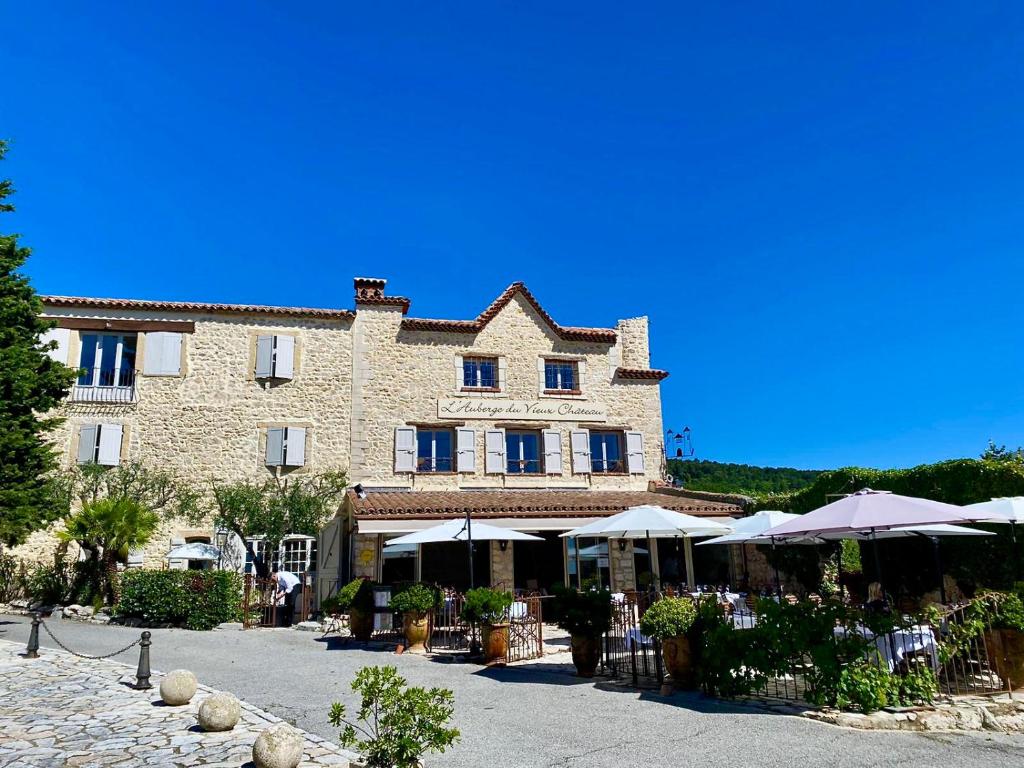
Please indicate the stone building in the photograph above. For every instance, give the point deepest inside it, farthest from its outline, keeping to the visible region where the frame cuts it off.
(509, 417)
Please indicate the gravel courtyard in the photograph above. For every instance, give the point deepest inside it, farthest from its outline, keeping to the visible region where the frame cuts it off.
(536, 715)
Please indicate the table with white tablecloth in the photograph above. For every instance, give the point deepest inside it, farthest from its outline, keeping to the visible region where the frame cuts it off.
(897, 645)
(636, 639)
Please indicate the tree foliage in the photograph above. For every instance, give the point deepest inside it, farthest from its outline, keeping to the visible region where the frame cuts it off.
(32, 385)
(719, 477)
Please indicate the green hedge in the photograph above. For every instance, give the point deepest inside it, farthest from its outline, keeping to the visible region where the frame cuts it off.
(192, 599)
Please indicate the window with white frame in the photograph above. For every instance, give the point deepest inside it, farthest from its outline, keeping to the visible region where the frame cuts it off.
(275, 357)
(259, 548)
(100, 444)
(479, 373)
(286, 447)
(523, 453)
(606, 452)
(561, 376)
(297, 554)
(434, 450)
(107, 360)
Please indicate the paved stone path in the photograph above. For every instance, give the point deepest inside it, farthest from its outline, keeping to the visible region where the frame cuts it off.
(60, 710)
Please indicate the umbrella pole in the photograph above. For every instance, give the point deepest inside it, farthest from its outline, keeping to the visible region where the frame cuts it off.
(746, 569)
(1013, 545)
(878, 563)
(469, 543)
(938, 568)
(839, 569)
(576, 550)
(778, 581)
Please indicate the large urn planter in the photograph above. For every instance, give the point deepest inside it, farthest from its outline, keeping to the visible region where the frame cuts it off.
(416, 627)
(361, 623)
(494, 638)
(679, 661)
(586, 653)
(1006, 653)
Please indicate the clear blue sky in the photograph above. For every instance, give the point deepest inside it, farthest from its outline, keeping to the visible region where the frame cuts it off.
(820, 211)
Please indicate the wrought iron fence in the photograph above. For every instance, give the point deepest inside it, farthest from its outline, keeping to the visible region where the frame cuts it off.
(262, 608)
(525, 619)
(625, 649)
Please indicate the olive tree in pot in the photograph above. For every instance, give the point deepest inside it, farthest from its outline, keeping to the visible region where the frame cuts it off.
(1005, 638)
(357, 596)
(487, 608)
(415, 603)
(585, 616)
(669, 621)
(395, 725)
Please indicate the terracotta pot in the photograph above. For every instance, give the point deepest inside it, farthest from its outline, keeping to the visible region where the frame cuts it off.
(678, 661)
(586, 653)
(1006, 653)
(360, 621)
(417, 631)
(494, 638)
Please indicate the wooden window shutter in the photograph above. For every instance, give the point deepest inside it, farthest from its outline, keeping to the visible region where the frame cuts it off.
(162, 356)
(109, 452)
(466, 449)
(63, 338)
(264, 357)
(635, 452)
(494, 445)
(87, 435)
(579, 440)
(552, 452)
(284, 357)
(405, 449)
(295, 446)
(275, 446)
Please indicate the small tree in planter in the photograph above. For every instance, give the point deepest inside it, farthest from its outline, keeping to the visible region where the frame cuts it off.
(415, 604)
(357, 597)
(668, 621)
(1005, 639)
(398, 724)
(486, 608)
(585, 616)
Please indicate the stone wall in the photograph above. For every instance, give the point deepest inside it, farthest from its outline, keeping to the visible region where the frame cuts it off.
(400, 374)
(502, 566)
(623, 566)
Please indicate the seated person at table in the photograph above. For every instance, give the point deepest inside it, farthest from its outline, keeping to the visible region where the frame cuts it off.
(877, 602)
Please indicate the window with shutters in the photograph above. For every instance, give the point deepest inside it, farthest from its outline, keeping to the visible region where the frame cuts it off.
(606, 452)
(259, 548)
(434, 450)
(100, 444)
(286, 447)
(479, 373)
(275, 357)
(107, 363)
(523, 453)
(561, 376)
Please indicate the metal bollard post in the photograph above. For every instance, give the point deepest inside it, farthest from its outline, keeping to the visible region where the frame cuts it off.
(32, 650)
(142, 675)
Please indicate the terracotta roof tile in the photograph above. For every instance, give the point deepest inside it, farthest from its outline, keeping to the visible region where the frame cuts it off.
(383, 505)
(192, 306)
(641, 373)
(475, 326)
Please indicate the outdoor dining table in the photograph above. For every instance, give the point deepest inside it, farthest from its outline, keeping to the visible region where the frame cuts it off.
(897, 645)
(518, 611)
(637, 639)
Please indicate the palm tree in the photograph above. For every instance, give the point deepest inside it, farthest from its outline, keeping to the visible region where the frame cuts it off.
(108, 529)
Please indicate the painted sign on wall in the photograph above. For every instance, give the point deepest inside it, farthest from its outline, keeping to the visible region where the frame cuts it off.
(526, 410)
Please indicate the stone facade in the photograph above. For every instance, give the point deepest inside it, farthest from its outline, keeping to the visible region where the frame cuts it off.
(502, 568)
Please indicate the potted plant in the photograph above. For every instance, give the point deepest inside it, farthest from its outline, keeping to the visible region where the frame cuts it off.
(585, 616)
(668, 621)
(1005, 639)
(486, 608)
(357, 597)
(395, 725)
(415, 604)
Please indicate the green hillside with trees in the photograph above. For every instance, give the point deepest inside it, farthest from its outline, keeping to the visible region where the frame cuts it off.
(720, 477)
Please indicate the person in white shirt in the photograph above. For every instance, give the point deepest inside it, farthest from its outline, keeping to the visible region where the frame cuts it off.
(286, 594)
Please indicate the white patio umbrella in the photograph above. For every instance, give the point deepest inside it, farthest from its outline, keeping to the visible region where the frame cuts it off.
(1003, 509)
(649, 522)
(456, 530)
(195, 550)
(750, 530)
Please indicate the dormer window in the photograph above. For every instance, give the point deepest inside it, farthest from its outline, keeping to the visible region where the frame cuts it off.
(479, 373)
(561, 376)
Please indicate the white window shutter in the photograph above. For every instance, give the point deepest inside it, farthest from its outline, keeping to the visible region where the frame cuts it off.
(466, 449)
(295, 442)
(405, 449)
(552, 452)
(87, 444)
(635, 452)
(494, 445)
(284, 357)
(264, 357)
(579, 440)
(63, 338)
(162, 355)
(275, 446)
(109, 453)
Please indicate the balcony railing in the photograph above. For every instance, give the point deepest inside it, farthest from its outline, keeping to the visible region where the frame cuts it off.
(106, 386)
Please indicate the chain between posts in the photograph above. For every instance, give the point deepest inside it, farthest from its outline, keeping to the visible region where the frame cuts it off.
(83, 655)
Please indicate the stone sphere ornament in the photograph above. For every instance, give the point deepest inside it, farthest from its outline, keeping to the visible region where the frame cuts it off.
(279, 746)
(219, 712)
(178, 687)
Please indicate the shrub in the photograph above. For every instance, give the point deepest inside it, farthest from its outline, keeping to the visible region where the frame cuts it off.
(1008, 612)
(584, 614)
(49, 584)
(400, 724)
(193, 599)
(866, 687)
(417, 598)
(669, 617)
(484, 605)
(12, 578)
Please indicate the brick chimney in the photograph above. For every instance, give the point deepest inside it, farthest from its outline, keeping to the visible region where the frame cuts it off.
(370, 291)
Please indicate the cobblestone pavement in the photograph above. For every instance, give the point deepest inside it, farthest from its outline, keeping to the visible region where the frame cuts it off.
(59, 710)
